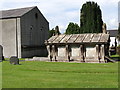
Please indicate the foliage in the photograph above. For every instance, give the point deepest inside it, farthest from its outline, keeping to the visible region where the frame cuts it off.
(118, 45)
(114, 56)
(51, 32)
(118, 36)
(72, 28)
(91, 18)
(54, 32)
(35, 74)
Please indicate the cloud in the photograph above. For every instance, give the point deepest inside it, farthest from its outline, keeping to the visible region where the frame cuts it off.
(61, 12)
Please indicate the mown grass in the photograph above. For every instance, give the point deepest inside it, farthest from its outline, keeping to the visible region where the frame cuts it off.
(19, 59)
(35, 74)
(0, 75)
(115, 56)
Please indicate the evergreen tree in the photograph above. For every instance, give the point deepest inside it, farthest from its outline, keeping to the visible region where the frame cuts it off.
(72, 28)
(57, 32)
(91, 18)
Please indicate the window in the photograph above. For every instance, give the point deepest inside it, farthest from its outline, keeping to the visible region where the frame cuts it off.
(31, 27)
(36, 16)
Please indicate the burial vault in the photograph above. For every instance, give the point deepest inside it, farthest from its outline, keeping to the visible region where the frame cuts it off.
(78, 47)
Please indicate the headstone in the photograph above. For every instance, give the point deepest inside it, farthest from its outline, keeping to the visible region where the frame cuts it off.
(14, 60)
(1, 53)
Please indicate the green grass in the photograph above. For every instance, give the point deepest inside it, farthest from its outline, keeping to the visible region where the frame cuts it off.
(19, 58)
(115, 56)
(37, 74)
(0, 76)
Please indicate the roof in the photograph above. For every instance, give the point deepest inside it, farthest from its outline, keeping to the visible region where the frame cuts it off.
(113, 33)
(79, 38)
(15, 12)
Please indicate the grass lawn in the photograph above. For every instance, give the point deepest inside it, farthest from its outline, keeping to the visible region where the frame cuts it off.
(0, 76)
(35, 74)
(115, 56)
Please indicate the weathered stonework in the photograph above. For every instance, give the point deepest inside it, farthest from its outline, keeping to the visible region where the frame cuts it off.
(78, 47)
(1, 53)
(24, 31)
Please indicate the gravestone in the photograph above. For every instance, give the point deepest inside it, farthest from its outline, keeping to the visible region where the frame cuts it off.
(1, 53)
(14, 60)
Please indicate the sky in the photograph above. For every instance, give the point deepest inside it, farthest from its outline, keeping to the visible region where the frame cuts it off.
(62, 12)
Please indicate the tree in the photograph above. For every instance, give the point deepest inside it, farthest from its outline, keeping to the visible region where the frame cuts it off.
(91, 18)
(57, 32)
(51, 32)
(118, 36)
(72, 28)
(54, 32)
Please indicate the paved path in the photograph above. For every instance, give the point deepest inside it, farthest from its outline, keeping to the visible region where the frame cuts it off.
(38, 59)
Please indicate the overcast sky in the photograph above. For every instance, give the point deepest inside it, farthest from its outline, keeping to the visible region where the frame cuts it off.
(61, 12)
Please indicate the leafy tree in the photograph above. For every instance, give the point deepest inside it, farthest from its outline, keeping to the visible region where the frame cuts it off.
(72, 28)
(54, 32)
(91, 18)
(51, 32)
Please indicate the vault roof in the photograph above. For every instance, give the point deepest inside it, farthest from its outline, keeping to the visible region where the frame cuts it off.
(79, 38)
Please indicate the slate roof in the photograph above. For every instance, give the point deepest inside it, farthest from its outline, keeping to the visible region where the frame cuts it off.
(79, 38)
(113, 33)
(15, 12)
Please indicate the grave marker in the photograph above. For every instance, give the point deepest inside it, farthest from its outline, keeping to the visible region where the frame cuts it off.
(1, 53)
(14, 60)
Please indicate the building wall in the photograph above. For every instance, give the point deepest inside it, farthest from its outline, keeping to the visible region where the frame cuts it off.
(0, 32)
(34, 32)
(112, 41)
(76, 52)
(9, 37)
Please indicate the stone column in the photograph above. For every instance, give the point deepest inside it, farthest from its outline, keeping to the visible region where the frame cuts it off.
(49, 52)
(53, 53)
(97, 53)
(102, 52)
(67, 53)
(81, 53)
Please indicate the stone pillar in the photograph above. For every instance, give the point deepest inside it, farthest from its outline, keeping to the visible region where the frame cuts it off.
(1, 53)
(67, 53)
(102, 52)
(81, 53)
(49, 53)
(97, 53)
(53, 53)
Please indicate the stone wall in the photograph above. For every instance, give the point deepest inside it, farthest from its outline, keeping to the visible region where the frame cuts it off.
(79, 53)
(34, 33)
(9, 37)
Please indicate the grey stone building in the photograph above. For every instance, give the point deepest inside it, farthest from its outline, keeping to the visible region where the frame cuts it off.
(113, 37)
(78, 47)
(23, 32)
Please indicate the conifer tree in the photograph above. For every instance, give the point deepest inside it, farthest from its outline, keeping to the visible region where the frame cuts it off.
(91, 18)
